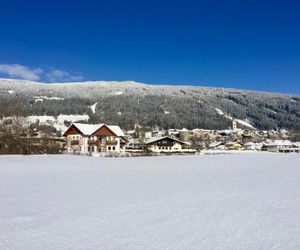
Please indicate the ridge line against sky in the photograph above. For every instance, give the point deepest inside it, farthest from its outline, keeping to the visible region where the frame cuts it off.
(251, 45)
(200, 85)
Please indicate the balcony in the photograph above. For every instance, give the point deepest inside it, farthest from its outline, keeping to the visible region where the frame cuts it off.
(93, 142)
(75, 142)
(111, 143)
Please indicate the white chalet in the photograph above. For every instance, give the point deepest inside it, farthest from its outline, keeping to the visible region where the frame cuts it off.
(94, 138)
(167, 144)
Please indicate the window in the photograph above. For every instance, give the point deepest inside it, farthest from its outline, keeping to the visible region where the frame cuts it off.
(114, 148)
(89, 149)
(109, 148)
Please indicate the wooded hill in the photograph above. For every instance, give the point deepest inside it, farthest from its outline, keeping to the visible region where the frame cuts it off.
(127, 103)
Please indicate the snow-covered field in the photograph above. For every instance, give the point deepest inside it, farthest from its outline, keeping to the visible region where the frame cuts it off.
(240, 201)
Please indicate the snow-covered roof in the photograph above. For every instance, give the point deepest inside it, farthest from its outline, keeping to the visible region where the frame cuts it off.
(215, 144)
(116, 129)
(183, 130)
(297, 144)
(165, 137)
(231, 143)
(226, 131)
(89, 129)
(278, 143)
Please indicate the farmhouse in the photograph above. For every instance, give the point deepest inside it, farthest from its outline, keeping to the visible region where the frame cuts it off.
(94, 138)
(168, 144)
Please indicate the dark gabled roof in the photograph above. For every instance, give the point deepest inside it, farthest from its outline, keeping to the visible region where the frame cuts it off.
(152, 140)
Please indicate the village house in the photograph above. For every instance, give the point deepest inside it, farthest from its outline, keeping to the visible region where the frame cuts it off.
(94, 138)
(252, 146)
(231, 145)
(277, 145)
(295, 148)
(168, 144)
(217, 145)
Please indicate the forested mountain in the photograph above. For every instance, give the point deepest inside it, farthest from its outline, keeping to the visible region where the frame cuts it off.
(127, 103)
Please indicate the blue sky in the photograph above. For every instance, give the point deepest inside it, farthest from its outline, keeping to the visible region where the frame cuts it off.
(239, 44)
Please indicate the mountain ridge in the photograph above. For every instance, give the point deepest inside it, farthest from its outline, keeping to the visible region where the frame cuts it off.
(130, 102)
(124, 82)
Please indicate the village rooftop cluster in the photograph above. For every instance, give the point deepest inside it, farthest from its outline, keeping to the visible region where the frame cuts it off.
(100, 138)
(112, 140)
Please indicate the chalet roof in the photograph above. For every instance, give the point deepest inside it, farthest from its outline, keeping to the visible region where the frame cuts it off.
(215, 144)
(89, 129)
(297, 144)
(231, 143)
(116, 129)
(155, 139)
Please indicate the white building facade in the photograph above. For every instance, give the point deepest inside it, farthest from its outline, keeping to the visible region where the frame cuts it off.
(94, 139)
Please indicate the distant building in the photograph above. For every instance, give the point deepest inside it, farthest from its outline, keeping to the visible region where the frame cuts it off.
(277, 145)
(252, 146)
(94, 138)
(168, 144)
(233, 124)
(233, 145)
(217, 145)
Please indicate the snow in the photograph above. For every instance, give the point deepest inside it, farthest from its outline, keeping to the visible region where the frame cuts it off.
(89, 129)
(215, 144)
(52, 98)
(117, 130)
(219, 111)
(119, 93)
(241, 122)
(60, 127)
(93, 107)
(43, 119)
(276, 143)
(272, 111)
(39, 100)
(10, 92)
(46, 119)
(239, 201)
(244, 123)
(72, 118)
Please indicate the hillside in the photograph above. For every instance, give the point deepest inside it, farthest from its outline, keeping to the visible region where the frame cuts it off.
(126, 103)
